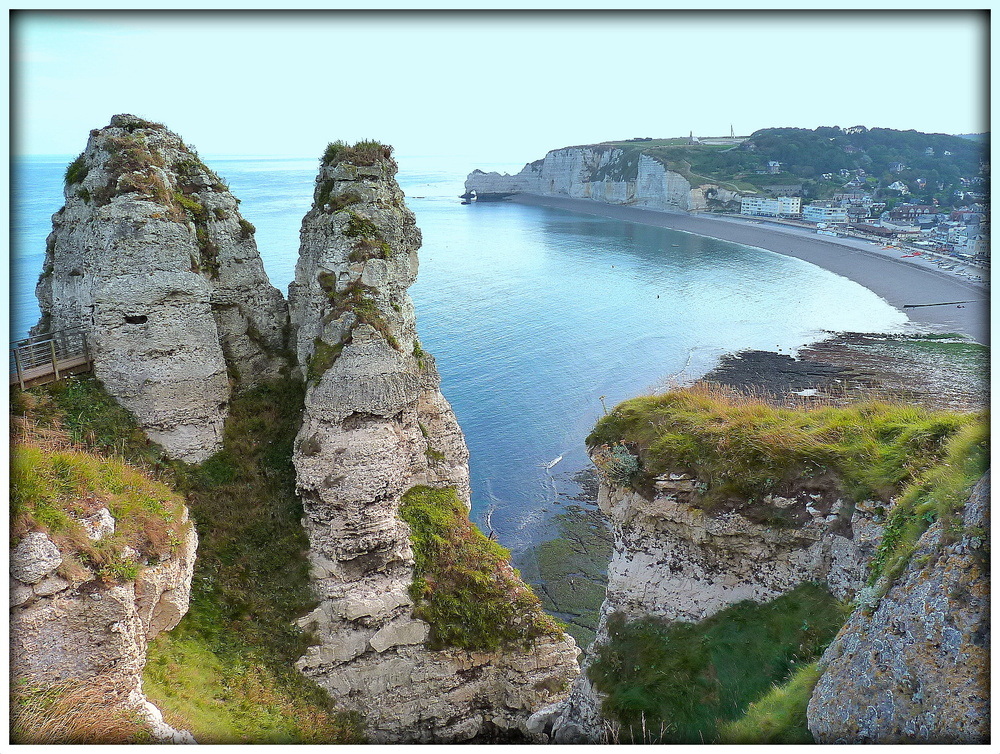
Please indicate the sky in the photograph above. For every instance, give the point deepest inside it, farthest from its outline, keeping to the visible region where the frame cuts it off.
(493, 86)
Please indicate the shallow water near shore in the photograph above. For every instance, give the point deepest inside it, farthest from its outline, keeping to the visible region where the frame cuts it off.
(538, 318)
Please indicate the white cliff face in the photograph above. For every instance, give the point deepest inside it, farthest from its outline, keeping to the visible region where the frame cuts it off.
(152, 258)
(79, 628)
(675, 561)
(375, 425)
(604, 174)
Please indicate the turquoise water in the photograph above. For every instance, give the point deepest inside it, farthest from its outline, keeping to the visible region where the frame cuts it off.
(533, 314)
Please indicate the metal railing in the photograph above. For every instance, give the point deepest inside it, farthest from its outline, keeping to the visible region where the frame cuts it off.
(47, 357)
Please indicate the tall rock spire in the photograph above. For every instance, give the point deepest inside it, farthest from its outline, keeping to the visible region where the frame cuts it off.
(376, 428)
(151, 256)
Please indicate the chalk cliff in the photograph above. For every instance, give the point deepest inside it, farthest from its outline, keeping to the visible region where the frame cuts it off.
(151, 256)
(375, 426)
(602, 173)
(676, 561)
(68, 624)
(915, 667)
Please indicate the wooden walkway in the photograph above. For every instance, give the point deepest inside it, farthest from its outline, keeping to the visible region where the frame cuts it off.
(46, 358)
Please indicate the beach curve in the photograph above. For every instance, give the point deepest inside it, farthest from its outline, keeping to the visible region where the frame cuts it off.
(933, 299)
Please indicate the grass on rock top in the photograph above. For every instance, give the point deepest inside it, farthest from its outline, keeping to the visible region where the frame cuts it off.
(364, 152)
(463, 584)
(921, 464)
(226, 672)
(742, 448)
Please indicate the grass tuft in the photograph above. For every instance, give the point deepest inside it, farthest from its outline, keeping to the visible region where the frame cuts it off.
(742, 448)
(778, 717)
(73, 712)
(365, 152)
(77, 170)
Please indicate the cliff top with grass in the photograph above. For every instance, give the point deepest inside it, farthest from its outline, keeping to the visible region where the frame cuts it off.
(741, 447)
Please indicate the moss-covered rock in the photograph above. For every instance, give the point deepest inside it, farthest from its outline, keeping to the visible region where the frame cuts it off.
(463, 583)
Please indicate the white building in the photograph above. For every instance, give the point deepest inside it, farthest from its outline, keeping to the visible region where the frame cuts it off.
(781, 206)
(824, 212)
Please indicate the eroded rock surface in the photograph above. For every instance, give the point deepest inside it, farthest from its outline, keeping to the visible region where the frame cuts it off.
(675, 561)
(375, 425)
(916, 668)
(76, 627)
(151, 256)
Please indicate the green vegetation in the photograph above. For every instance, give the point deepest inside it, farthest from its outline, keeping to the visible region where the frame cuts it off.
(322, 358)
(938, 495)
(370, 242)
(419, 354)
(463, 585)
(208, 250)
(338, 202)
(137, 123)
(675, 682)
(778, 717)
(227, 671)
(77, 170)
(740, 449)
(366, 152)
(53, 489)
(195, 209)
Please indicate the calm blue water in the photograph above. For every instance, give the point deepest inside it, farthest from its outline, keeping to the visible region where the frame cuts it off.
(533, 314)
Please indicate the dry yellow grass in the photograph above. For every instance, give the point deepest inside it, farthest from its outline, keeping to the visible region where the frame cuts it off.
(73, 712)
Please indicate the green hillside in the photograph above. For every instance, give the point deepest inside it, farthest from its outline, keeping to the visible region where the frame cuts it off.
(885, 155)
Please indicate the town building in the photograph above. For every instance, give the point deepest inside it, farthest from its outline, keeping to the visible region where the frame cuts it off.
(824, 212)
(781, 206)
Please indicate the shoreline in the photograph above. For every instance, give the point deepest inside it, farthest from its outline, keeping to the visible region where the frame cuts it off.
(903, 283)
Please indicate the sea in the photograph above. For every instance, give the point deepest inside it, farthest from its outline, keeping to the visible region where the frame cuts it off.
(540, 320)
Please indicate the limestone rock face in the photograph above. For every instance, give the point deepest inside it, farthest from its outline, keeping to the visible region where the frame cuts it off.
(375, 425)
(151, 257)
(87, 630)
(677, 562)
(604, 174)
(916, 669)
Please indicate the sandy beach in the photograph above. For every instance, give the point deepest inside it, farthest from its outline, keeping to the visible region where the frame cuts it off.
(935, 300)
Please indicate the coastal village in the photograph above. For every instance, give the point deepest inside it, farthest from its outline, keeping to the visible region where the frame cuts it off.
(880, 210)
(951, 235)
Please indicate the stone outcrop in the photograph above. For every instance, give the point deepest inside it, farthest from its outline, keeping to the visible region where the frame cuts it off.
(601, 173)
(68, 625)
(375, 425)
(676, 561)
(915, 668)
(151, 256)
